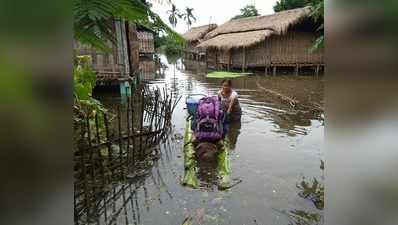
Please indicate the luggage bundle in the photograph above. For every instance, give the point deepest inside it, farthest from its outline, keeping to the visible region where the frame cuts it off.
(207, 116)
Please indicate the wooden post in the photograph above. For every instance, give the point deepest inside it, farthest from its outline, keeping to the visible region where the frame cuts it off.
(317, 70)
(216, 59)
(265, 59)
(274, 73)
(205, 58)
(229, 60)
(244, 60)
(296, 70)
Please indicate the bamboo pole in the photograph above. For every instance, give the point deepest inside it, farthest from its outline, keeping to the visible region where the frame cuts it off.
(141, 122)
(133, 132)
(87, 203)
(120, 138)
(99, 150)
(108, 141)
(128, 133)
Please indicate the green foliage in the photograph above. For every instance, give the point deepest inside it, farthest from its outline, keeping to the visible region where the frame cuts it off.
(190, 165)
(93, 19)
(282, 5)
(317, 12)
(247, 11)
(171, 44)
(319, 44)
(84, 79)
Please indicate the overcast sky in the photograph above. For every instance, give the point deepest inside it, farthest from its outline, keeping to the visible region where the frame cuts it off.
(213, 11)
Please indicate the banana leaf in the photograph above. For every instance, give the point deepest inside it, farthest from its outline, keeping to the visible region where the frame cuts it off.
(190, 164)
(224, 166)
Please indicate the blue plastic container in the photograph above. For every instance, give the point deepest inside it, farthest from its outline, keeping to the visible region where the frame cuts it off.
(192, 103)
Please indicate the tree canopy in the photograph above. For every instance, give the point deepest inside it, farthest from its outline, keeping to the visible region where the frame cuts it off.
(247, 11)
(282, 5)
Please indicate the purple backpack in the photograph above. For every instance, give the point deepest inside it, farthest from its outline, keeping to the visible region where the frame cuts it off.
(209, 120)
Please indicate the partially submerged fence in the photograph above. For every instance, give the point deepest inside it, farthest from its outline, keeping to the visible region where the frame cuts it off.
(112, 148)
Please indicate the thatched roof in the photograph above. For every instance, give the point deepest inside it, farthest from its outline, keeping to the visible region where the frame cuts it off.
(252, 30)
(197, 33)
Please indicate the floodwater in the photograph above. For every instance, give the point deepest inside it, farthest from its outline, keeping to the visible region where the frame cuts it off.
(273, 148)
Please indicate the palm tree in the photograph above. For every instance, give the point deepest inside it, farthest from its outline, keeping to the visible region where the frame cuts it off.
(174, 13)
(188, 16)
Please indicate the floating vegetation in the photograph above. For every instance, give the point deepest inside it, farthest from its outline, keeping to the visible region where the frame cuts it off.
(225, 74)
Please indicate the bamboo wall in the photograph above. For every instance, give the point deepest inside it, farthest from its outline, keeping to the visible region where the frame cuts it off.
(212, 58)
(147, 69)
(146, 42)
(290, 49)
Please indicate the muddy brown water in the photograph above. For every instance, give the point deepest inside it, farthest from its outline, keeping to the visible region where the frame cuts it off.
(274, 147)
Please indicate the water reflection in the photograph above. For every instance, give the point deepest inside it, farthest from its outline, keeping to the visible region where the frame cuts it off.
(125, 200)
(312, 191)
(233, 134)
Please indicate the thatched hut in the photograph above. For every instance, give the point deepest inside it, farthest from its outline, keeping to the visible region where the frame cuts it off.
(280, 39)
(121, 63)
(145, 40)
(194, 36)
